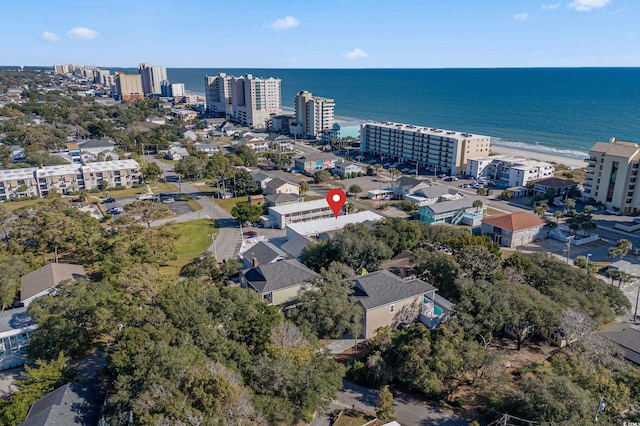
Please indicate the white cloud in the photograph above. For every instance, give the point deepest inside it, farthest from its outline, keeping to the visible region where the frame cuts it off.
(356, 53)
(47, 36)
(588, 5)
(82, 32)
(551, 6)
(285, 23)
(521, 17)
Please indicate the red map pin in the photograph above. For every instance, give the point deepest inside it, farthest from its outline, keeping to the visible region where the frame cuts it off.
(336, 199)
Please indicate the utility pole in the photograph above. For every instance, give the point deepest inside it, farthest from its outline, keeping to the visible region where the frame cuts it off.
(635, 314)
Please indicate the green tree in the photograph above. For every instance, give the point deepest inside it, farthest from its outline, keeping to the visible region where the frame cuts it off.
(304, 187)
(550, 194)
(622, 247)
(244, 212)
(151, 171)
(322, 176)
(439, 269)
(191, 167)
(482, 191)
(541, 209)
(408, 207)
(355, 189)
(248, 155)
(326, 306)
(478, 261)
(359, 249)
(478, 204)
(242, 183)
(506, 194)
(12, 268)
(558, 215)
(384, 407)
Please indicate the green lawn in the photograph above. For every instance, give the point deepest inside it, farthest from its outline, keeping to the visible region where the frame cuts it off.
(194, 238)
(158, 187)
(228, 203)
(15, 205)
(194, 205)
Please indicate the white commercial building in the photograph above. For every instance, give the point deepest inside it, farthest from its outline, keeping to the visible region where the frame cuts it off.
(317, 227)
(172, 89)
(255, 99)
(217, 90)
(152, 78)
(314, 113)
(281, 216)
(513, 171)
(443, 151)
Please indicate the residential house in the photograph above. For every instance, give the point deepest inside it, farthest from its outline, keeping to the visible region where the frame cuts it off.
(281, 186)
(70, 404)
(296, 244)
(17, 154)
(310, 163)
(185, 115)
(277, 282)
(16, 327)
(96, 146)
(281, 216)
(509, 171)
(348, 168)
(188, 134)
(74, 151)
(389, 300)
(210, 149)
(627, 338)
(514, 229)
(407, 185)
(560, 186)
(273, 200)
(433, 194)
(261, 179)
(41, 281)
(256, 143)
(279, 142)
(400, 265)
(261, 253)
(177, 154)
(454, 212)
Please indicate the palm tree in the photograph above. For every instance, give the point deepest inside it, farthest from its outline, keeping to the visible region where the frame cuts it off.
(574, 227)
(623, 247)
(569, 204)
(550, 227)
(541, 209)
(558, 214)
(394, 172)
(377, 167)
(482, 191)
(478, 204)
(588, 226)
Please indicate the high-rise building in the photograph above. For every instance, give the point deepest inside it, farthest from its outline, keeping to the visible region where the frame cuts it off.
(152, 78)
(314, 113)
(128, 86)
(443, 151)
(255, 99)
(612, 175)
(218, 94)
(172, 89)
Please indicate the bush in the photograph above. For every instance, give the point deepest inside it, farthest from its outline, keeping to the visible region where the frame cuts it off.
(93, 191)
(458, 402)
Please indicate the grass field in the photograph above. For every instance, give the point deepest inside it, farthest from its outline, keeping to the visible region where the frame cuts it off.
(158, 187)
(194, 238)
(194, 205)
(228, 203)
(15, 205)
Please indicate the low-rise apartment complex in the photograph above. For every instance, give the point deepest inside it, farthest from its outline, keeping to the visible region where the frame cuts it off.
(612, 175)
(39, 181)
(443, 151)
(510, 171)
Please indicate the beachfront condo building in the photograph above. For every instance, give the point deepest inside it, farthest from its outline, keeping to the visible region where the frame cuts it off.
(509, 171)
(67, 178)
(172, 90)
(314, 114)
(217, 90)
(612, 174)
(152, 78)
(128, 87)
(254, 100)
(437, 150)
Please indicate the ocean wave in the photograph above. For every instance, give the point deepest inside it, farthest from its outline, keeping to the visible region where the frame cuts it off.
(535, 147)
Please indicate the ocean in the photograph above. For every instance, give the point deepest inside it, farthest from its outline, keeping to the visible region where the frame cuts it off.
(554, 110)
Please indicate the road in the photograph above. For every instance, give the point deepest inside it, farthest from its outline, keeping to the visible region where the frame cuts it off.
(409, 411)
(229, 238)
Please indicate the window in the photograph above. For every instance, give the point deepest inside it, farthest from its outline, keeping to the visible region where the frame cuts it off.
(392, 308)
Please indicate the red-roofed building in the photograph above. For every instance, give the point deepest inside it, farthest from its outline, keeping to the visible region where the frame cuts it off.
(515, 229)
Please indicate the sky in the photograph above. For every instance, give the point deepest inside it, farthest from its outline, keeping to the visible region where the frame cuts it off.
(322, 33)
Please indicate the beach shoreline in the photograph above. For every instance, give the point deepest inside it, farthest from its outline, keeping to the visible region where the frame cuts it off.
(572, 163)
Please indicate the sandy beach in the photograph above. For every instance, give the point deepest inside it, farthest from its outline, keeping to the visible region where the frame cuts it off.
(573, 163)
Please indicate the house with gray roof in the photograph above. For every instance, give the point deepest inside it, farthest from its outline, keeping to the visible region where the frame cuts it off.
(390, 301)
(70, 404)
(282, 199)
(96, 146)
(281, 186)
(261, 253)
(261, 179)
(277, 282)
(433, 194)
(407, 185)
(627, 338)
(177, 154)
(454, 211)
(41, 281)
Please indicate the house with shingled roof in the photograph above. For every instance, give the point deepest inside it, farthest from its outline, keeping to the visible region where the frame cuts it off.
(514, 229)
(261, 253)
(390, 301)
(41, 281)
(277, 282)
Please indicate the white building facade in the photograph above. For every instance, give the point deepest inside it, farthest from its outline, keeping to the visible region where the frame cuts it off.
(512, 171)
(218, 94)
(152, 78)
(255, 99)
(443, 151)
(314, 113)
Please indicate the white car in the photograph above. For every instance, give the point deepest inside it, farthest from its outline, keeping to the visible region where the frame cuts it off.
(145, 197)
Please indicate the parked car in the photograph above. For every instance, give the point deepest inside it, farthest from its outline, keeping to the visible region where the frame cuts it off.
(145, 197)
(115, 210)
(108, 200)
(167, 200)
(250, 234)
(613, 212)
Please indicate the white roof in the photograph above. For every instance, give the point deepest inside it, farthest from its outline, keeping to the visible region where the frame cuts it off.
(105, 166)
(300, 207)
(424, 130)
(315, 227)
(11, 174)
(61, 170)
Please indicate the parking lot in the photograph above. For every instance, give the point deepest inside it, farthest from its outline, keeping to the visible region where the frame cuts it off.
(177, 207)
